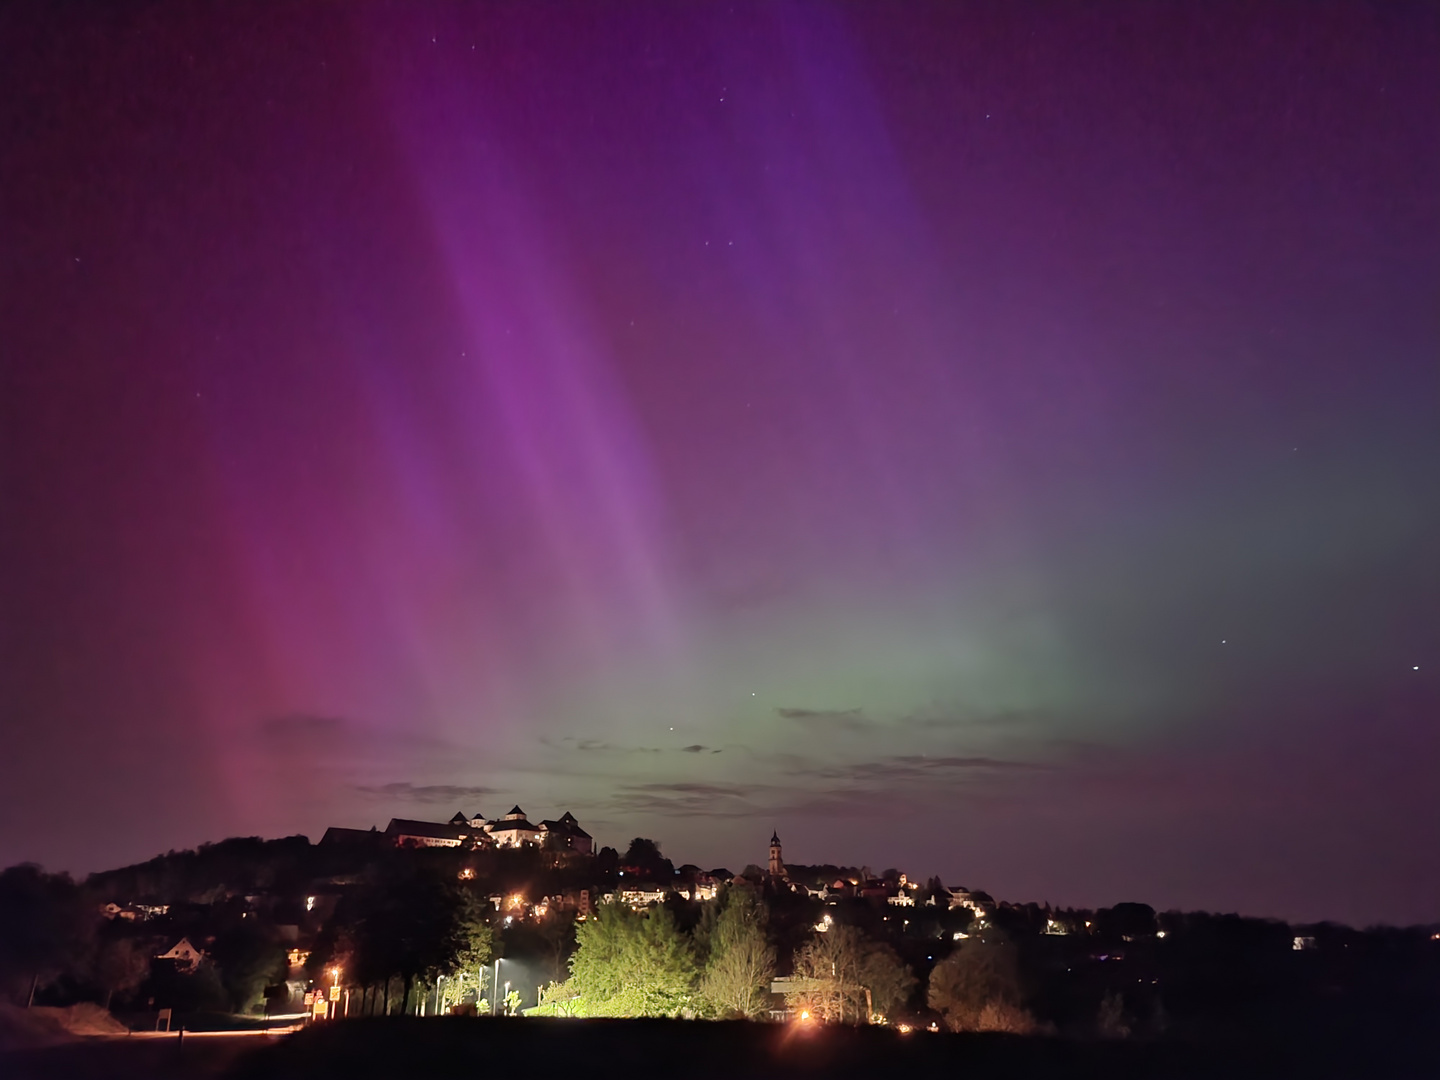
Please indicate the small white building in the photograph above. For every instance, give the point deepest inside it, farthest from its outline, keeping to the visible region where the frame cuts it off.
(184, 955)
(642, 896)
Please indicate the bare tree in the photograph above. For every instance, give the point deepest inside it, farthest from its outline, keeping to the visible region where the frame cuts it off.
(843, 977)
(121, 965)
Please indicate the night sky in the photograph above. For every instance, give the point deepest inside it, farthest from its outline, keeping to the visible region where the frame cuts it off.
(995, 441)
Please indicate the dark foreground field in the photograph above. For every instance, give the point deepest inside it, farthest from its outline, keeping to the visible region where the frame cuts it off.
(402, 1048)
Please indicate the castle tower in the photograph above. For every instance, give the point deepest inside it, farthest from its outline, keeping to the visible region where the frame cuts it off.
(777, 864)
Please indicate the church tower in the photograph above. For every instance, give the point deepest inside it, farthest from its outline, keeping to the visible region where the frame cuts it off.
(777, 864)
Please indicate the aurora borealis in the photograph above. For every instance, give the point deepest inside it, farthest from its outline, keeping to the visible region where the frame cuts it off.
(996, 441)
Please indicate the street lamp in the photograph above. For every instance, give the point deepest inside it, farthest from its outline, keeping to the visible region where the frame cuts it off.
(495, 988)
(507, 997)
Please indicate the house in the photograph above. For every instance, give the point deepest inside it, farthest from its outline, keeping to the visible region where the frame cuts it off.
(981, 903)
(185, 956)
(403, 832)
(514, 831)
(567, 835)
(641, 896)
(700, 887)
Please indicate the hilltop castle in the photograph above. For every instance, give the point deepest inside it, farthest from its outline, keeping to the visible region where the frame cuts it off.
(475, 832)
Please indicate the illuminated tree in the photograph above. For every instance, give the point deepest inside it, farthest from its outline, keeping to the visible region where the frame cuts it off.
(630, 964)
(741, 962)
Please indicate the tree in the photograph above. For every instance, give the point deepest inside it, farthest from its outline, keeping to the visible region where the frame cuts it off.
(249, 960)
(1002, 1016)
(1113, 1022)
(889, 980)
(630, 964)
(971, 978)
(120, 967)
(644, 855)
(844, 977)
(741, 962)
(46, 928)
(415, 928)
(641, 852)
(1126, 921)
(556, 932)
(469, 941)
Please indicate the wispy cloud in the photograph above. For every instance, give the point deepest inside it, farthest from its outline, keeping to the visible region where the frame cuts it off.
(686, 799)
(938, 719)
(846, 719)
(903, 767)
(600, 746)
(697, 787)
(426, 793)
(932, 718)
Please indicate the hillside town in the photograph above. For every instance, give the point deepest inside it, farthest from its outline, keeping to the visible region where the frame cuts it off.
(509, 916)
(564, 842)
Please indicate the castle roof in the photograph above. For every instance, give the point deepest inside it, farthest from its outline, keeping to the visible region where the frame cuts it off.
(567, 824)
(510, 823)
(337, 835)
